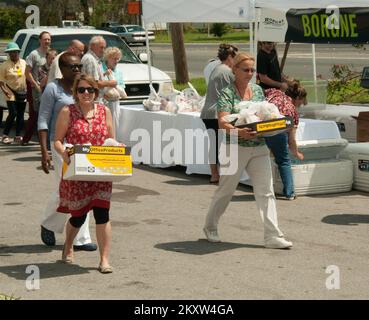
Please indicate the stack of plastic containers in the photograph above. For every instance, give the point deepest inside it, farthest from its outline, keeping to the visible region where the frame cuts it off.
(322, 171)
(358, 153)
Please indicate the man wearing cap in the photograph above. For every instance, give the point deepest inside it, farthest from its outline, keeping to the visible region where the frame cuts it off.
(13, 85)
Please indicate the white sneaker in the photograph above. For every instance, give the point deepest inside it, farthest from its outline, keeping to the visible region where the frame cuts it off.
(278, 243)
(212, 236)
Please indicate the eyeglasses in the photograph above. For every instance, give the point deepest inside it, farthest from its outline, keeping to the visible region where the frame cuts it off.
(252, 70)
(76, 66)
(83, 90)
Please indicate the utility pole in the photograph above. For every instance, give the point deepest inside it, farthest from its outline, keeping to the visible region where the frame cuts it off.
(179, 53)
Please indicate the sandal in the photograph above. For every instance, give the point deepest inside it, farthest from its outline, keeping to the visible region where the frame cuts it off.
(18, 139)
(6, 140)
(105, 269)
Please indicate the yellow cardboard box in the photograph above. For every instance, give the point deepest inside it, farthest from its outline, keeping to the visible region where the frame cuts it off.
(98, 163)
(270, 127)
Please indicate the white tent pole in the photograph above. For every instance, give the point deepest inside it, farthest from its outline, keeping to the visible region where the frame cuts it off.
(314, 72)
(148, 52)
(251, 44)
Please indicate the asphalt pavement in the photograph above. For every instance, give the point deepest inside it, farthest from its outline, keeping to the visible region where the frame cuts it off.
(158, 248)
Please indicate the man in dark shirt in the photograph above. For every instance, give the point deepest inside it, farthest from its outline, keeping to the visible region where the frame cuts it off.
(268, 69)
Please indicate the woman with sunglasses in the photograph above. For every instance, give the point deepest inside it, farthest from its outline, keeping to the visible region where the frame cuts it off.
(85, 122)
(58, 93)
(247, 151)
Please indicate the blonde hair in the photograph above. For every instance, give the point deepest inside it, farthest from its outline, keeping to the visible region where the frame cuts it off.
(90, 80)
(111, 52)
(241, 57)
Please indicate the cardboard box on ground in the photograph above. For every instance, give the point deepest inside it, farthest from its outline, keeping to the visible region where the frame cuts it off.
(98, 163)
(362, 126)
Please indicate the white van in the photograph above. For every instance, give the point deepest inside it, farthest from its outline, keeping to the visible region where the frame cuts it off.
(134, 70)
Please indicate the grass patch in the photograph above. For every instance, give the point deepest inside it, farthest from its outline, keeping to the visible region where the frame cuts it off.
(234, 37)
(198, 83)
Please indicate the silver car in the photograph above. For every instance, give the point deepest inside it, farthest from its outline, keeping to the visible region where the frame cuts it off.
(132, 33)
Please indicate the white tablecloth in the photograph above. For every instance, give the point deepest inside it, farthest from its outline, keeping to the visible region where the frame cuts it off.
(134, 119)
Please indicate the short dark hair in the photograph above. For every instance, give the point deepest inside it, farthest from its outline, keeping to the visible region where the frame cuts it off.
(42, 33)
(226, 50)
(64, 57)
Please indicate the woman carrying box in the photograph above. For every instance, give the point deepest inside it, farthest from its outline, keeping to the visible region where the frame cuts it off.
(247, 152)
(85, 122)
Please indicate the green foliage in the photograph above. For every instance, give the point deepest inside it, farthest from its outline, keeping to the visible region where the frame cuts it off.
(220, 29)
(11, 20)
(345, 86)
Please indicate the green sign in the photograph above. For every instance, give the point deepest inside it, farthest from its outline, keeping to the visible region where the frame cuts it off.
(339, 25)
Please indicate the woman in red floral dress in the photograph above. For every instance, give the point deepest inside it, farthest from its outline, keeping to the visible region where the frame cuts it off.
(85, 122)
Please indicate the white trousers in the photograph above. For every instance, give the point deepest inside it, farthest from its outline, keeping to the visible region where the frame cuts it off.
(256, 161)
(55, 221)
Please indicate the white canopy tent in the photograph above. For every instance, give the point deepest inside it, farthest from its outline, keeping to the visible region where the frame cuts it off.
(206, 11)
(232, 11)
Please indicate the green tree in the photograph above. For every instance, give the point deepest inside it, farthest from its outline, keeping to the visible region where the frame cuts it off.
(220, 29)
(12, 19)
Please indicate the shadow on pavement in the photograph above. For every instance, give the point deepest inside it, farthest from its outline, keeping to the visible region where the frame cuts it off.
(47, 270)
(346, 219)
(130, 194)
(28, 159)
(202, 246)
(30, 248)
(244, 197)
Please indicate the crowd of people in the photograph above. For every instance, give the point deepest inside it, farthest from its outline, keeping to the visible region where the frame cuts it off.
(74, 99)
(67, 93)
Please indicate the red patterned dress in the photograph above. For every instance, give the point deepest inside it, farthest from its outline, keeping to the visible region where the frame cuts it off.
(79, 197)
(283, 102)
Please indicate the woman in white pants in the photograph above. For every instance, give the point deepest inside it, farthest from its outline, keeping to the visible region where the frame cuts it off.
(250, 153)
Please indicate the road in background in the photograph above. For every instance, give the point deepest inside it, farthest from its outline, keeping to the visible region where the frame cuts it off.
(298, 65)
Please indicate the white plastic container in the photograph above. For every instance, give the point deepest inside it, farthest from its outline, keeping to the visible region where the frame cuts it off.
(318, 177)
(319, 139)
(358, 153)
(341, 114)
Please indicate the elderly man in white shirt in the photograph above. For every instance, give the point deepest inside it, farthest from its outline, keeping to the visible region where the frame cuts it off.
(92, 63)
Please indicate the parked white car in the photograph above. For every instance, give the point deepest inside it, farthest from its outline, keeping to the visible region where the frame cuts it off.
(134, 70)
(132, 33)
